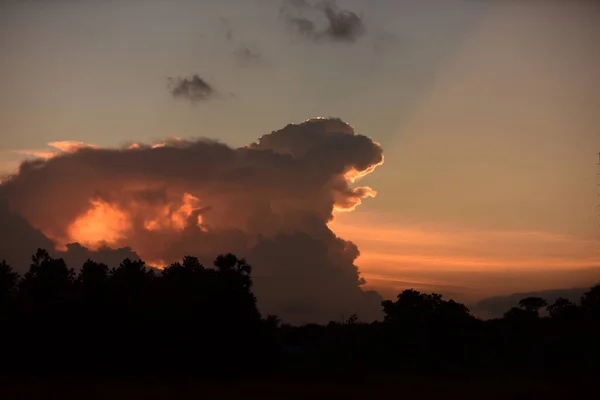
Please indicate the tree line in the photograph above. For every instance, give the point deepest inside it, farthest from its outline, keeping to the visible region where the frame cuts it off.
(192, 319)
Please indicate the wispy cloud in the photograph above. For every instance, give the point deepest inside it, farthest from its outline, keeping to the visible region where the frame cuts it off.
(45, 154)
(454, 259)
(70, 146)
(10, 160)
(247, 55)
(55, 148)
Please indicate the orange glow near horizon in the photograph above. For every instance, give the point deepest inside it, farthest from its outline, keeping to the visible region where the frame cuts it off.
(468, 249)
(433, 257)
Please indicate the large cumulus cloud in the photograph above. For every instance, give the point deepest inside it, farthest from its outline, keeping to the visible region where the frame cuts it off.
(269, 201)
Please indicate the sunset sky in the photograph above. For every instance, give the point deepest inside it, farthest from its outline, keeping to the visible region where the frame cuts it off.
(486, 111)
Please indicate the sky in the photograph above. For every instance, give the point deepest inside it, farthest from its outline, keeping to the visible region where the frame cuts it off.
(486, 113)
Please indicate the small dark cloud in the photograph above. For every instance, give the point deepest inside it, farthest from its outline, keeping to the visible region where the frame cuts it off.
(303, 26)
(193, 89)
(247, 55)
(343, 25)
(384, 40)
(299, 4)
(228, 31)
(340, 25)
(244, 54)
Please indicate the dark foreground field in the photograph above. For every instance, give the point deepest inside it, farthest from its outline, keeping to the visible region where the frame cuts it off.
(196, 322)
(514, 388)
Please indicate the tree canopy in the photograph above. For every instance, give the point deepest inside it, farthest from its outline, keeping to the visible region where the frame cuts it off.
(192, 318)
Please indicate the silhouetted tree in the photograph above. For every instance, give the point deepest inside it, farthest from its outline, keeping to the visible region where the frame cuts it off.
(590, 302)
(532, 305)
(91, 288)
(273, 321)
(234, 283)
(408, 304)
(563, 309)
(47, 286)
(185, 289)
(351, 320)
(516, 313)
(129, 285)
(8, 287)
(411, 305)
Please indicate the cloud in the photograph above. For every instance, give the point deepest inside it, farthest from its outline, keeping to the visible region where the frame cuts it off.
(247, 55)
(70, 146)
(229, 36)
(269, 201)
(37, 153)
(194, 89)
(9, 164)
(19, 240)
(57, 147)
(383, 41)
(340, 25)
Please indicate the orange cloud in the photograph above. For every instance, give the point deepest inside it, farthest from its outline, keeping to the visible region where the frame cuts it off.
(69, 146)
(102, 225)
(176, 218)
(269, 201)
(7, 167)
(57, 147)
